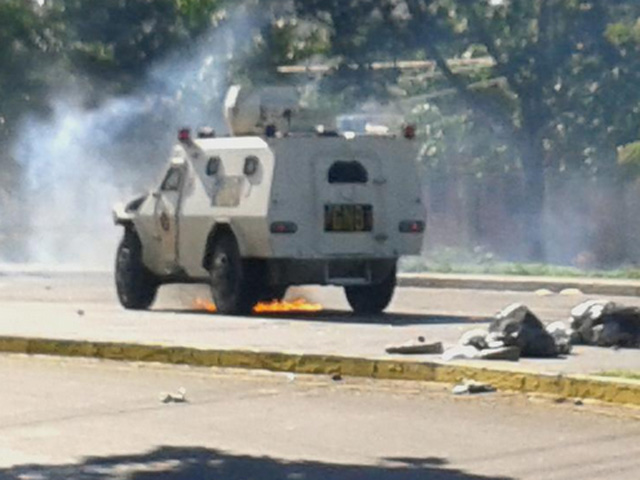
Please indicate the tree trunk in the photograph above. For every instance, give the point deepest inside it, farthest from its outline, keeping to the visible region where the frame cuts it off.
(532, 155)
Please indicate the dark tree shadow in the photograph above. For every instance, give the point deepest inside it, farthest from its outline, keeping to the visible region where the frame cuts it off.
(341, 316)
(178, 463)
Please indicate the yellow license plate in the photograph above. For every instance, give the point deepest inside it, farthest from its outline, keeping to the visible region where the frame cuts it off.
(348, 218)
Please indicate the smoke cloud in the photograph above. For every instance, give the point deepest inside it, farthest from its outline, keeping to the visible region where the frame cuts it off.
(77, 162)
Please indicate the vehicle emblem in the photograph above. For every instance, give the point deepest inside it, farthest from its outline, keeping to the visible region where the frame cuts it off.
(164, 222)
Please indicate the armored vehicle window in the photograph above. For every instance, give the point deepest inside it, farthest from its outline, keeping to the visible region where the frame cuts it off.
(347, 172)
(171, 182)
(213, 165)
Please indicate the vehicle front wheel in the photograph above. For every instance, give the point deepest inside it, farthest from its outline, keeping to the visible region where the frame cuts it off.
(371, 299)
(234, 283)
(135, 285)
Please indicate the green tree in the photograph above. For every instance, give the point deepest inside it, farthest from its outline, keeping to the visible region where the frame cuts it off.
(26, 46)
(566, 95)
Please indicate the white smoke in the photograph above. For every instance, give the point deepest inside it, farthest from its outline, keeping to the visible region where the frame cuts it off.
(78, 162)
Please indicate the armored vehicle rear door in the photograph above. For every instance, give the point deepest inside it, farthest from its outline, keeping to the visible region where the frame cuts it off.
(351, 204)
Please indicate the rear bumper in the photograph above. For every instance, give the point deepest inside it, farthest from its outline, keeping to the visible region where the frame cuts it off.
(330, 271)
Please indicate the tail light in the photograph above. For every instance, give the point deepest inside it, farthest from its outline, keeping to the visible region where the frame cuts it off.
(411, 226)
(284, 227)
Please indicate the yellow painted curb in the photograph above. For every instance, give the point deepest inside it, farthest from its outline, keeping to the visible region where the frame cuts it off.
(606, 390)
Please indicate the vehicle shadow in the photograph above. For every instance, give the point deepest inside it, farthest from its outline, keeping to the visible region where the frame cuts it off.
(343, 316)
(194, 463)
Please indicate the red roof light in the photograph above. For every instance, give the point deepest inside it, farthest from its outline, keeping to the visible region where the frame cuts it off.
(184, 135)
(409, 132)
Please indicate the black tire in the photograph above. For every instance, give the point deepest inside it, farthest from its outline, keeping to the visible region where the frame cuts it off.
(234, 281)
(371, 299)
(135, 285)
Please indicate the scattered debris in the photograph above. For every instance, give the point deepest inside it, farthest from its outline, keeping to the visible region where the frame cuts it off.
(178, 397)
(416, 347)
(515, 332)
(561, 334)
(501, 353)
(460, 352)
(475, 338)
(468, 387)
(606, 324)
(517, 326)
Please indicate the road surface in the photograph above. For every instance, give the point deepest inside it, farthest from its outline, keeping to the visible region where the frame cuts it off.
(90, 420)
(84, 307)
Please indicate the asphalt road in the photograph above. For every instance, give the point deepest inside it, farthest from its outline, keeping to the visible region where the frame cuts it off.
(91, 420)
(84, 307)
(97, 288)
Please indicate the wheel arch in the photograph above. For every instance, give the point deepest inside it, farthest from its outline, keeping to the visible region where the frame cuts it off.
(219, 230)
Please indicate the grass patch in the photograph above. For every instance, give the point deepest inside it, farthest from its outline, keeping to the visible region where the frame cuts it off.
(626, 374)
(479, 262)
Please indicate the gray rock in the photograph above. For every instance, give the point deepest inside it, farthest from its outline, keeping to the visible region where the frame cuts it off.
(605, 324)
(584, 317)
(518, 327)
(621, 327)
(561, 334)
(504, 353)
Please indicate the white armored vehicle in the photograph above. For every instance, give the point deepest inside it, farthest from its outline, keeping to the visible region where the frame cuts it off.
(268, 207)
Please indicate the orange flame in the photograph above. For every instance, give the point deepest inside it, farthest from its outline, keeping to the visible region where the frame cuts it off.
(297, 305)
(200, 304)
(275, 306)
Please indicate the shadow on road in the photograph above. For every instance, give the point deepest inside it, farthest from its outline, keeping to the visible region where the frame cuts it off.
(338, 316)
(177, 463)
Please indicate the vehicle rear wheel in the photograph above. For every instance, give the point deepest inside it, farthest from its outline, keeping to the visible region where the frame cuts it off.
(234, 281)
(135, 285)
(371, 299)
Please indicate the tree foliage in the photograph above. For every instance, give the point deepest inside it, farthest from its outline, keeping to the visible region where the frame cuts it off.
(560, 94)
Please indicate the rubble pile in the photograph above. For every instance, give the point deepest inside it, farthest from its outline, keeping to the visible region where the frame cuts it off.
(517, 332)
(514, 332)
(606, 324)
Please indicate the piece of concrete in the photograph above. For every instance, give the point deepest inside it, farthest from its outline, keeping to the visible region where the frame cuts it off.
(561, 334)
(511, 354)
(517, 326)
(471, 387)
(476, 338)
(179, 397)
(460, 352)
(416, 348)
